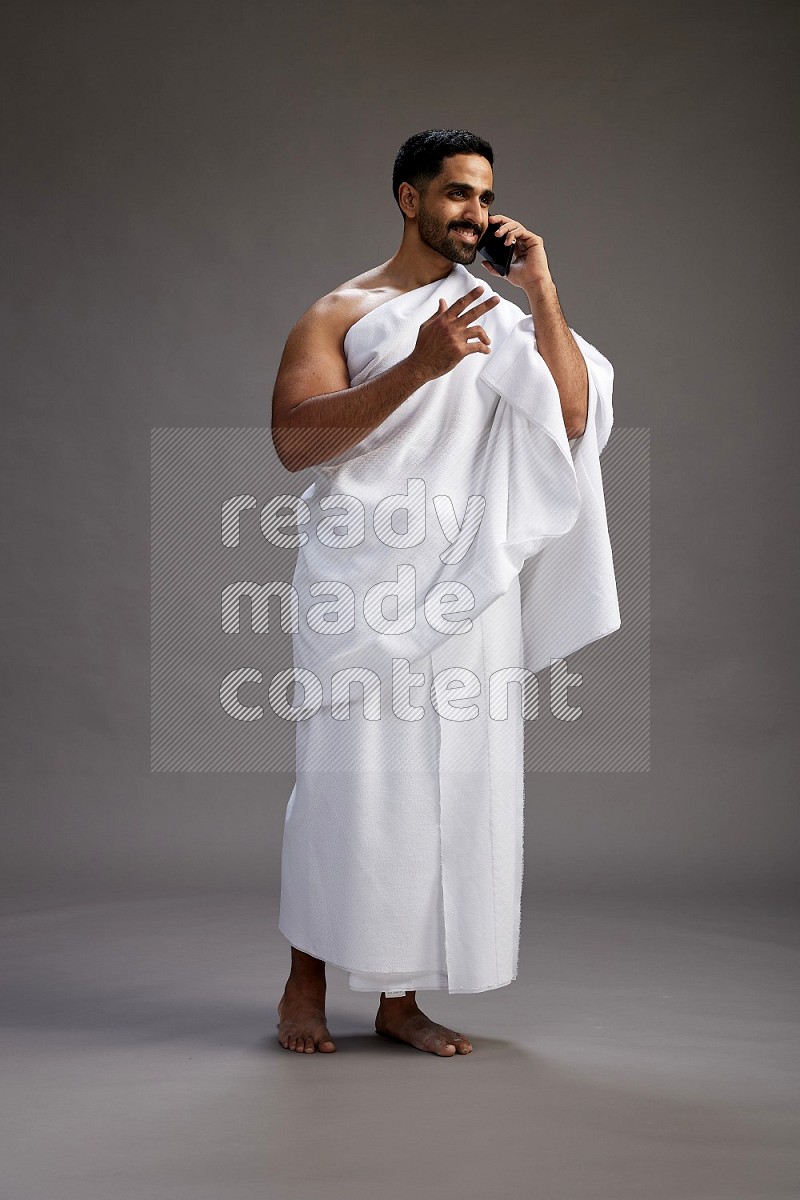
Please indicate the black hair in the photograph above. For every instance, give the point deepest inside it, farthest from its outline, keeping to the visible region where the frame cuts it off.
(420, 158)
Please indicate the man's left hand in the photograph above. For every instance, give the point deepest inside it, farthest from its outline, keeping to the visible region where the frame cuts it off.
(529, 267)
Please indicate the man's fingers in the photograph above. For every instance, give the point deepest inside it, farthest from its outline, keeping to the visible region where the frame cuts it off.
(479, 309)
(461, 303)
(439, 309)
(479, 332)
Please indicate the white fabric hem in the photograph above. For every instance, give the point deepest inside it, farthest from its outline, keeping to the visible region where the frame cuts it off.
(396, 981)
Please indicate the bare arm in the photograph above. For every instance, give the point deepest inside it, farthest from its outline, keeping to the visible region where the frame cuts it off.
(560, 351)
(530, 271)
(316, 414)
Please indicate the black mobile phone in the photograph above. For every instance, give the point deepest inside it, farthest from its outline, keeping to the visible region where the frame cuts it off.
(494, 250)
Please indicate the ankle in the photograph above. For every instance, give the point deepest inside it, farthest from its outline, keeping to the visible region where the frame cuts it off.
(398, 1003)
(306, 969)
(306, 981)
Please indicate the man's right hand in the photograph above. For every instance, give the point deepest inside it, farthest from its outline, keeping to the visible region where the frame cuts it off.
(448, 336)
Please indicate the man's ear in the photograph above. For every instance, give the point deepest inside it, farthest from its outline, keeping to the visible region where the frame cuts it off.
(408, 200)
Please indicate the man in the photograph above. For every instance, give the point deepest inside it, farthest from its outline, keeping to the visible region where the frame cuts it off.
(402, 844)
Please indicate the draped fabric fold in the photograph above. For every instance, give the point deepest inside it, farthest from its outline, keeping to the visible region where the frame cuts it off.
(464, 536)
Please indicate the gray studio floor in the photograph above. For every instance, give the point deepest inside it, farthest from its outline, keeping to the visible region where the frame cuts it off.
(647, 1050)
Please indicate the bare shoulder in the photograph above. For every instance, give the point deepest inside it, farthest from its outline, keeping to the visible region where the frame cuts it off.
(332, 315)
(314, 360)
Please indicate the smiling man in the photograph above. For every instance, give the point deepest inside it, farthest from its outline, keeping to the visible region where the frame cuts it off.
(402, 852)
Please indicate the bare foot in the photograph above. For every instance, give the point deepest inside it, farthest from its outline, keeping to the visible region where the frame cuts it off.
(302, 1020)
(402, 1020)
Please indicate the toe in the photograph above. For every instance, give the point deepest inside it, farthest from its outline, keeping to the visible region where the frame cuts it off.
(437, 1040)
(462, 1044)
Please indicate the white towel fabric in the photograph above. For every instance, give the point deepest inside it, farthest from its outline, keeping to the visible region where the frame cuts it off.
(402, 851)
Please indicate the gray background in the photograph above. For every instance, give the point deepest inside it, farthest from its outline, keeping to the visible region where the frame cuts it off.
(183, 180)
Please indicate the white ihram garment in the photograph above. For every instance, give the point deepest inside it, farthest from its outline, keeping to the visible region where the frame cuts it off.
(402, 852)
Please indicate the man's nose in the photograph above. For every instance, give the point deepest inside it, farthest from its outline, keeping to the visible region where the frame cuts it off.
(473, 213)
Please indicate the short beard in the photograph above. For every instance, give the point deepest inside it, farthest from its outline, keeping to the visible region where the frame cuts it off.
(436, 234)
